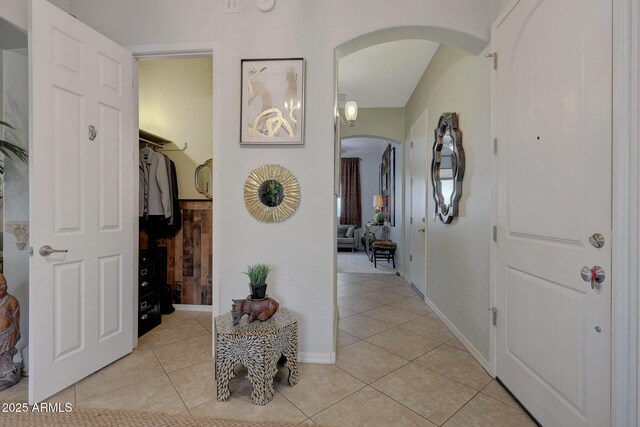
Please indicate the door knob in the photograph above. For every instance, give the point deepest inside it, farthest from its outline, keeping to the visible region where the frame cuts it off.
(595, 275)
(421, 230)
(47, 250)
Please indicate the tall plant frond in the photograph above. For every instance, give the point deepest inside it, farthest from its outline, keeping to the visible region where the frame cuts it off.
(7, 148)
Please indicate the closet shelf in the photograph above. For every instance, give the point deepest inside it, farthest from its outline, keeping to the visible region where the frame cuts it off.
(149, 137)
(157, 141)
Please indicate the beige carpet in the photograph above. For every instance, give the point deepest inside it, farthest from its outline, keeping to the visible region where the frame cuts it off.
(119, 418)
(357, 262)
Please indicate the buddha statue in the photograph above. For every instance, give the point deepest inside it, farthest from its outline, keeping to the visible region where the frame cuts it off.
(9, 335)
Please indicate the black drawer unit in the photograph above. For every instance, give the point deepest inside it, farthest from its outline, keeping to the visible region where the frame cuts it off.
(148, 292)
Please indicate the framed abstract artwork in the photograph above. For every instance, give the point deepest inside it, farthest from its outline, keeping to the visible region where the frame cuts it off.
(272, 101)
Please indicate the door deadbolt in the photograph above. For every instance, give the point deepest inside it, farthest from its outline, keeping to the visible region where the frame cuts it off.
(596, 240)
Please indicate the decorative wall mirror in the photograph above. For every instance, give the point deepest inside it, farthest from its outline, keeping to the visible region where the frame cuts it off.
(271, 193)
(204, 178)
(447, 167)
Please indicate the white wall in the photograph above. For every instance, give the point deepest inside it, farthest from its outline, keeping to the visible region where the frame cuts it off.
(497, 6)
(384, 122)
(176, 102)
(458, 253)
(303, 278)
(15, 101)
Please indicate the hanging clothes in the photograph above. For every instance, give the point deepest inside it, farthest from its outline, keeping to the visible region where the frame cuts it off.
(167, 162)
(155, 195)
(176, 216)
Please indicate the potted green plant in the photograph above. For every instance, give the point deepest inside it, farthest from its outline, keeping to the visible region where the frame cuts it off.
(7, 148)
(257, 274)
(380, 218)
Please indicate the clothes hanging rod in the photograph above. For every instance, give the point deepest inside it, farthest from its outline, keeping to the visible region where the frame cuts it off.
(146, 141)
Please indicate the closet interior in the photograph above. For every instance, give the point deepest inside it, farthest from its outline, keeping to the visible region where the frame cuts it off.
(160, 217)
(175, 140)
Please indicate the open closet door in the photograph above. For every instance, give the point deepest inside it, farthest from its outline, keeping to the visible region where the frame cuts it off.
(81, 194)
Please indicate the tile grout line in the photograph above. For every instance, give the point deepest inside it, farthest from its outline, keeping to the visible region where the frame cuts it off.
(418, 365)
(348, 395)
(459, 409)
(379, 391)
(293, 404)
(410, 360)
(399, 403)
(117, 389)
(179, 395)
(447, 377)
(517, 407)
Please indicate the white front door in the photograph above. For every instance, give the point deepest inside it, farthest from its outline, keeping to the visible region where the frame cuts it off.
(418, 200)
(81, 200)
(553, 107)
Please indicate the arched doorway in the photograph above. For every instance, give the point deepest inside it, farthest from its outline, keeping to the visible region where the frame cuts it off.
(448, 242)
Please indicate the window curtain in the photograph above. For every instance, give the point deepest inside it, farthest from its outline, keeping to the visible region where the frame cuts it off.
(350, 201)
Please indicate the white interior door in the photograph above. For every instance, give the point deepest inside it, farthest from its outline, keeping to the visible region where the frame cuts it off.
(81, 306)
(553, 124)
(418, 198)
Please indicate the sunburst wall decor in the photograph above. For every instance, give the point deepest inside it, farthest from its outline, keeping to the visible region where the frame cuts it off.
(271, 193)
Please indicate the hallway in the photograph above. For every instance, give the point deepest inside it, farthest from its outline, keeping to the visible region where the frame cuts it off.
(397, 365)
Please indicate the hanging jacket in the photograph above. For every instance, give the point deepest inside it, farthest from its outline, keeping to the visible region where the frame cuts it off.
(168, 162)
(176, 217)
(155, 196)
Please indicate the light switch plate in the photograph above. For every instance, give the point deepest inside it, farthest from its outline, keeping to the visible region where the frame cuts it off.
(231, 6)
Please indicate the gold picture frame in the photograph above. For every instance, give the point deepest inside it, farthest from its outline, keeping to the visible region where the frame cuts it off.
(285, 198)
(272, 101)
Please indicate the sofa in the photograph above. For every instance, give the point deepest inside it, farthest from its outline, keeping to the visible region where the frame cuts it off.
(347, 237)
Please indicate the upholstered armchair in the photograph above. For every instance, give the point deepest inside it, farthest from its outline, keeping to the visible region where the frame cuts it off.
(348, 237)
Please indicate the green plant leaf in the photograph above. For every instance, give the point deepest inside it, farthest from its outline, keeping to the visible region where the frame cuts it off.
(7, 148)
(257, 273)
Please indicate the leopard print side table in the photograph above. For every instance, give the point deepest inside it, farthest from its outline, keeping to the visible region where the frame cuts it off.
(258, 346)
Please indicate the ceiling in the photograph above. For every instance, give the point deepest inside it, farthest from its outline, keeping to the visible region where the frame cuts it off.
(358, 146)
(386, 74)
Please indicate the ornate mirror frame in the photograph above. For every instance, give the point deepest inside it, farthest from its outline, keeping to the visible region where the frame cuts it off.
(204, 187)
(447, 128)
(287, 203)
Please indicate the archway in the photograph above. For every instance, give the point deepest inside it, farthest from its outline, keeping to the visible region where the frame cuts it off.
(466, 48)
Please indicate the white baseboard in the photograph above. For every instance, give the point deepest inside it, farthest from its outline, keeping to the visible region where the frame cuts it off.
(415, 288)
(193, 307)
(317, 358)
(474, 351)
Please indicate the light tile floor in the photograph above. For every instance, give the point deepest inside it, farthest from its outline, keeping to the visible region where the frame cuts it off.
(397, 365)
